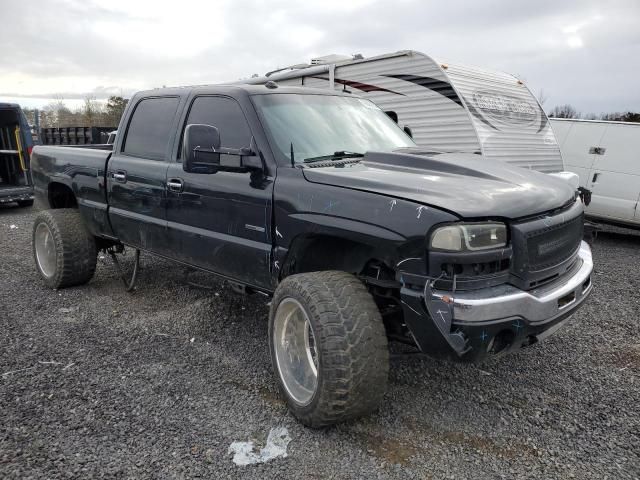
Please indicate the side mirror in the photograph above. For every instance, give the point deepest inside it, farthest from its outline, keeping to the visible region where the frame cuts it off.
(200, 149)
(407, 130)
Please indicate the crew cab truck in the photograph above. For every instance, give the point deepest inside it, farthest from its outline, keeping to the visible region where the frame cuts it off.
(15, 149)
(318, 199)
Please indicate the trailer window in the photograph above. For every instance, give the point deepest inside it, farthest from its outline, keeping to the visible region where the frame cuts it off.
(392, 115)
(150, 128)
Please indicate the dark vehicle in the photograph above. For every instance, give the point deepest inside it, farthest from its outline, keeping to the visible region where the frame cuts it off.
(15, 153)
(320, 200)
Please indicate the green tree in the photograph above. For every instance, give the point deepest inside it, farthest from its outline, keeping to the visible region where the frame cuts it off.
(114, 109)
(621, 117)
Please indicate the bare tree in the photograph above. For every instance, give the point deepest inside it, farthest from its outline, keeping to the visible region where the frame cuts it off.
(542, 97)
(564, 111)
(30, 113)
(57, 113)
(91, 111)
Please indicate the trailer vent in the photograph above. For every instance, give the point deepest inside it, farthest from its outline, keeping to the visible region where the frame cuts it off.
(326, 59)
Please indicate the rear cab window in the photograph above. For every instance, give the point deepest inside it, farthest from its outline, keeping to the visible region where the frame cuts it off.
(150, 128)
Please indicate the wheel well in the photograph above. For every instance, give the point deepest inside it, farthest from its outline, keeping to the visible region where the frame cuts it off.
(61, 196)
(323, 252)
(315, 253)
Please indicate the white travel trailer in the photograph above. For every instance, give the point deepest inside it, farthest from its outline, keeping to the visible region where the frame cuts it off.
(447, 107)
(606, 156)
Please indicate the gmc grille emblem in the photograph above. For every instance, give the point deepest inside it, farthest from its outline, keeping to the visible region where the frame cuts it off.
(547, 247)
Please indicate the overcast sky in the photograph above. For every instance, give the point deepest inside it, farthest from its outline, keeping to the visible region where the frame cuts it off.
(582, 52)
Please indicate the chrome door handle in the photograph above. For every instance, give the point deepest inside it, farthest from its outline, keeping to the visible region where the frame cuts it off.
(119, 177)
(175, 185)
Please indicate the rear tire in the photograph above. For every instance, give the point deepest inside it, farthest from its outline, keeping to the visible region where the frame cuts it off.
(327, 324)
(25, 203)
(64, 251)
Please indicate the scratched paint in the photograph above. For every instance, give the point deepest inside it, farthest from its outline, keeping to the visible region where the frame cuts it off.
(406, 260)
(441, 313)
(331, 204)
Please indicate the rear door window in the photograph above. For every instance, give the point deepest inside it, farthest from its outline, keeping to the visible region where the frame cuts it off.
(150, 128)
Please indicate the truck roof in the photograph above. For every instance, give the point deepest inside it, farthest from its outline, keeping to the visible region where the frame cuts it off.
(239, 89)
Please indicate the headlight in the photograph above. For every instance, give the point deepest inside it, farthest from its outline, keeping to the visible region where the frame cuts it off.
(469, 237)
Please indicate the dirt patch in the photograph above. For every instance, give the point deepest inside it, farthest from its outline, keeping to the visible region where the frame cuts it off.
(628, 357)
(392, 450)
(487, 445)
(624, 357)
(468, 441)
(270, 397)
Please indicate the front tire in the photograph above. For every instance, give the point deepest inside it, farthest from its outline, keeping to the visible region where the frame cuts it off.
(64, 251)
(328, 347)
(25, 203)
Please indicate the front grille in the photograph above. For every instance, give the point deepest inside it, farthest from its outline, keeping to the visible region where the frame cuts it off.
(544, 248)
(553, 245)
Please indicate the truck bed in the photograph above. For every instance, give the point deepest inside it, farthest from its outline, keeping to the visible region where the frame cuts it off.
(83, 171)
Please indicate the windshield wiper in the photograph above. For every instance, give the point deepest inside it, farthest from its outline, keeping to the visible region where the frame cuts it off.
(334, 156)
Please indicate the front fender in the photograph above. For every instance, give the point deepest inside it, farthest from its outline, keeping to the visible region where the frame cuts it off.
(393, 230)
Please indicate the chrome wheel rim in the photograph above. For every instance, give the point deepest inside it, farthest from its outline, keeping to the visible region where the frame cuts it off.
(45, 250)
(295, 351)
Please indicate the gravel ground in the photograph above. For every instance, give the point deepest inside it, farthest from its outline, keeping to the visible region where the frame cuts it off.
(95, 382)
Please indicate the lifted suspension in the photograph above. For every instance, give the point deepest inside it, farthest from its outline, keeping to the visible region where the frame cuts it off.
(129, 283)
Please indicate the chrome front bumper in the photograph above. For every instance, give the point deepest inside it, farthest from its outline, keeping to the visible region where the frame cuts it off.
(536, 307)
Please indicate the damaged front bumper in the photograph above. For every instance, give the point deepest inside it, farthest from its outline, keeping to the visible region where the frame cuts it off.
(471, 325)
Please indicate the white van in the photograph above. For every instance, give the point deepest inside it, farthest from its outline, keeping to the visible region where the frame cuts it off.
(606, 156)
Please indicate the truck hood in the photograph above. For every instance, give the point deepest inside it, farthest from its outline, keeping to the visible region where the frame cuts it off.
(464, 184)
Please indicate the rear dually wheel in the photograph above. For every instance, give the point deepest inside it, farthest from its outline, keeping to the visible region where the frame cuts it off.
(64, 251)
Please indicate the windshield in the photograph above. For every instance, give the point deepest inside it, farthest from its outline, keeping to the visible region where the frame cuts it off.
(321, 125)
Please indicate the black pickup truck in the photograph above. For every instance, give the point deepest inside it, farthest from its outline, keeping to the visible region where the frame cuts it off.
(321, 201)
